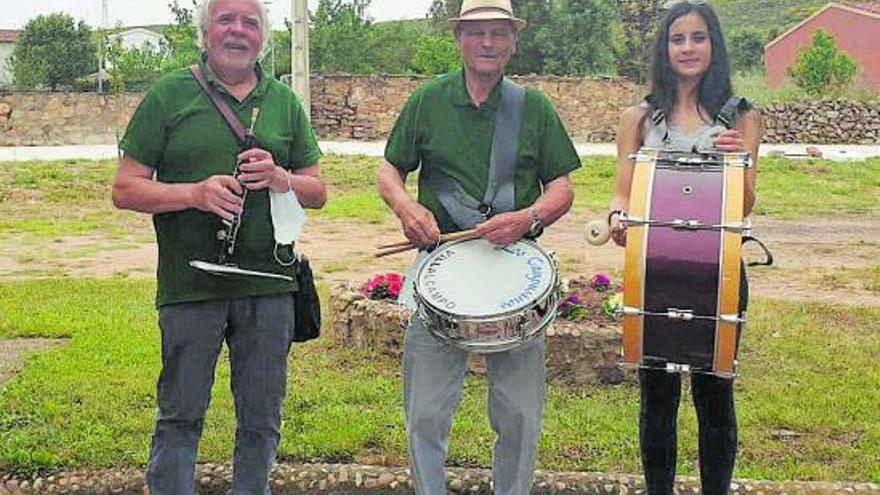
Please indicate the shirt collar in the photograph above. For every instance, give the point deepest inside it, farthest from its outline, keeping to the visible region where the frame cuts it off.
(213, 80)
(460, 96)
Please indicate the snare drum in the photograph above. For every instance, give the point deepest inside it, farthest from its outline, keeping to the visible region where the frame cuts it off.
(484, 298)
(682, 263)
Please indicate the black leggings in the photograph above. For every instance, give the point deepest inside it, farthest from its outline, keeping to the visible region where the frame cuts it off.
(716, 418)
(658, 414)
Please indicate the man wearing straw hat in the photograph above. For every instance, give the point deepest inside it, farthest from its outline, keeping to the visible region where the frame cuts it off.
(457, 130)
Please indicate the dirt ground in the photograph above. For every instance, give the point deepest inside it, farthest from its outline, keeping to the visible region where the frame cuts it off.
(827, 259)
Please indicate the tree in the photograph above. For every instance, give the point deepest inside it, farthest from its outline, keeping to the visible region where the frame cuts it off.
(132, 69)
(529, 56)
(282, 50)
(822, 68)
(393, 45)
(637, 19)
(181, 41)
(746, 50)
(53, 51)
(338, 37)
(436, 54)
(441, 10)
(580, 39)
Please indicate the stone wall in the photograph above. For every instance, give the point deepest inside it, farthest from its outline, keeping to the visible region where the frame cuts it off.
(365, 107)
(51, 119)
(823, 122)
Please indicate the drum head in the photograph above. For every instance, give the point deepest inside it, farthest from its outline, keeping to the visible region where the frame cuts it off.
(477, 279)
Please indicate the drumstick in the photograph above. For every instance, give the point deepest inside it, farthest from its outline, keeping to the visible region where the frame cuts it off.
(401, 246)
(452, 236)
(405, 242)
(394, 250)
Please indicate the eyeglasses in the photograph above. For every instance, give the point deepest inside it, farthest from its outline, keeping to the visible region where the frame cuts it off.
(672, 3)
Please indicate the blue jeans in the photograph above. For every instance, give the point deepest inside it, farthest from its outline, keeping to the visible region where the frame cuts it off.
(432, 385)
(258, 331)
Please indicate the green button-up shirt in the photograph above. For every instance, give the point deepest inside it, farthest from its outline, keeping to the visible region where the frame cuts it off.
(177, 131)
(441, 127)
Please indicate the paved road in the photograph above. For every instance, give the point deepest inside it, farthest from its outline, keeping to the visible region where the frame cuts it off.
(96, 152)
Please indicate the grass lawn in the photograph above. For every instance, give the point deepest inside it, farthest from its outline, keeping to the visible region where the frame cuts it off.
(806, 368)
(49, 200)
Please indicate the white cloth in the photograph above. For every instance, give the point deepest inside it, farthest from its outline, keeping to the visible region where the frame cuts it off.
(288, 217)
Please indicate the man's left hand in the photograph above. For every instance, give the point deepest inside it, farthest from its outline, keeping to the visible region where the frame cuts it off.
(505, 228)
(258, 171)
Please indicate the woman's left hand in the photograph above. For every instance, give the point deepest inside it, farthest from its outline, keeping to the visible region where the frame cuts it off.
(730, 140)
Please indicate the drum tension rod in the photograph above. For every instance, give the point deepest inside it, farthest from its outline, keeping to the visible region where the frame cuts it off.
(680, 314)
(678, 368)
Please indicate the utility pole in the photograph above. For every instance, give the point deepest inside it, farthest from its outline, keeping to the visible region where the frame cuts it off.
(268, 4)
(299, 52)
(105, 24)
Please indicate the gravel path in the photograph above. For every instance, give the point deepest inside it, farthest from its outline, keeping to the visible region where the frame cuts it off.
(215, 479)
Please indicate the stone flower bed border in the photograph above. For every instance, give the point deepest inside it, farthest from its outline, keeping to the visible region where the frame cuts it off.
(578, 353)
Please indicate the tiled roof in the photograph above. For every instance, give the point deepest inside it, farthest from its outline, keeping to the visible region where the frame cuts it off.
(873, 6)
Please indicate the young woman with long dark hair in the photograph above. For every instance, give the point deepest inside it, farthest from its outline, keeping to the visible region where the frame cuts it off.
(690, 86)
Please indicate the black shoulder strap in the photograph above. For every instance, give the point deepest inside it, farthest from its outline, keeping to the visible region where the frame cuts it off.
(727, 115)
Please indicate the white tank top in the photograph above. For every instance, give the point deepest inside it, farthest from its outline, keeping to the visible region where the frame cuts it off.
(668, 135)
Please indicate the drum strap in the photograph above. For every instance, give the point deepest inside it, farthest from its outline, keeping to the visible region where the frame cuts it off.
(726, 116)
(465, 210)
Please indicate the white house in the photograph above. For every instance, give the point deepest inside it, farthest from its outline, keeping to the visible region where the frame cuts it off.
(138, 37)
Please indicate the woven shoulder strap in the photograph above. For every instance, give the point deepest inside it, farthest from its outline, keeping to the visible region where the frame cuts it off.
(465, 210)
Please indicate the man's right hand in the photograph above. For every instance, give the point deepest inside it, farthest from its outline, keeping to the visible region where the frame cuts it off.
(220, 195)
(419, 224)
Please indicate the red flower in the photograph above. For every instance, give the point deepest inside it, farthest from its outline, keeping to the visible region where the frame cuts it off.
(383, 286)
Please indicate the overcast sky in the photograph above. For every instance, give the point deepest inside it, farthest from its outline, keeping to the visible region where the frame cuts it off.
(138, 12)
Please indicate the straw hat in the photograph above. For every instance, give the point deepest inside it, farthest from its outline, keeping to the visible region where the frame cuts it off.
(487, 10)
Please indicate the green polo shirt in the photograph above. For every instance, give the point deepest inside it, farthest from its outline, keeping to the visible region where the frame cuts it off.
(177, 131)
(441, 127)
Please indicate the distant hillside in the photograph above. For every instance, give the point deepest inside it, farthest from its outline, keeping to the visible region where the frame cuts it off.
(767, 16)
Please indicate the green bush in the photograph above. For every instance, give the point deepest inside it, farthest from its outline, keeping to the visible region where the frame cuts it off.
(823, 68)
(436, 54)
(746, 50)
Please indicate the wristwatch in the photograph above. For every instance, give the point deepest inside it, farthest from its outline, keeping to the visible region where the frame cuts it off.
(537, 226)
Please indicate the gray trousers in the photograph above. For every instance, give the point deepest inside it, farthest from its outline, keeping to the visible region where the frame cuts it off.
(432, 386)
(258, 331)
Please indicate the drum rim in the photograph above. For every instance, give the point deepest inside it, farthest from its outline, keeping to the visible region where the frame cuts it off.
(554, 279)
